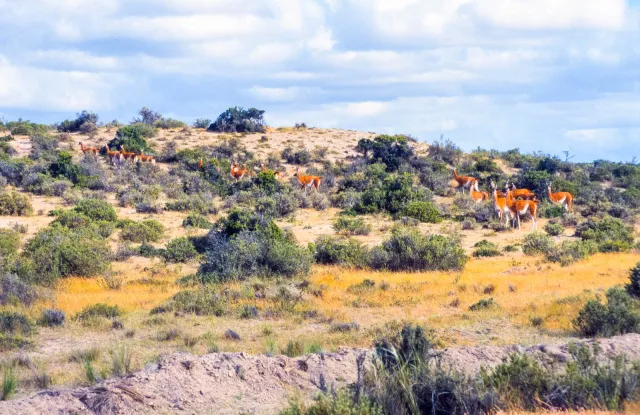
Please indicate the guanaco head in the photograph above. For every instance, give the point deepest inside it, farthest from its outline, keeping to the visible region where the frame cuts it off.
(297, 171)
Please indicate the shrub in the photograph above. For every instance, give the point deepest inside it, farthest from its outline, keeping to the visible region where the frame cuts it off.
(9, 243)
(147, 116)
(351, 226)
(611, 234)
(341, 251)
(149, 230)
(553, 228)
(98, 310)
(239, 120)
(167, 123)
(206, 300)
(14, 290)
(445, 151)
(300, 157)
(261, 250)
(12, 322)
(15, 204)
(569, 252)
(407, 249)
(61, 252)
(423, 211)
(392, 151)
(616, 317)
(484, 304)
(84, 119)
(201, 123)
(132, 137)
(51, 318)
(485, 248)
(179, 250)
(96, 210)
(197, 220)
(633, 287)
(537, 244)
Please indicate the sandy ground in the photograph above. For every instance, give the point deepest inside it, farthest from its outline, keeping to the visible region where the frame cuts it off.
(233, 383)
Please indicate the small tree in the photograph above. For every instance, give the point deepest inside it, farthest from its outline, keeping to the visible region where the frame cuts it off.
(148, 116)
(633, 288)
(239, 120)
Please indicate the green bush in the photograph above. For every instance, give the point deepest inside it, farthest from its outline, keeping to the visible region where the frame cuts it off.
(132, 137)
(196, 220)
(149, 230)
(51, 318)
(16, 291)
(299, 157)
(167, 123)
(201, 123)
(180, 250)
(553, 228)
(57, 252)
(96, 210)
(618, 316)
(83, 119)
(611, 234)
(12, 322)
(423, 211)
(351, 226)
(408, 249)
(239, 120)
(97, 311)
(633, 288)
(537, 244)
(341, 251)
(9, 243)
(569, 252)
(206, 300)
(15, 204)
(485, 248)
(484, 304)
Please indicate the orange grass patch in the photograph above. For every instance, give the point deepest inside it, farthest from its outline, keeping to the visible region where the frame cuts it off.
(523, 288)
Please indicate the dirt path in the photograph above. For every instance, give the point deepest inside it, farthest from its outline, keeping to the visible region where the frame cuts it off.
(234, 383)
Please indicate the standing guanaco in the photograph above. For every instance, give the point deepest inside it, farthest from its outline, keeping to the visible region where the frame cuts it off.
(525, 194)
(565, 199)
(500, 204)
(115, 157)
(477, 195)
(522, 207)
(237, 173)
(128, 155)
(86, 150)
(308, 181)
(464, 182)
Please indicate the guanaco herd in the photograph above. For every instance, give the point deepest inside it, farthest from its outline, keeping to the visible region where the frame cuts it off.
(513, 202)
(119, 157)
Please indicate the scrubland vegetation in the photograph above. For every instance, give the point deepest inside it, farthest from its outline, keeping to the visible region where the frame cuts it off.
(131, 260)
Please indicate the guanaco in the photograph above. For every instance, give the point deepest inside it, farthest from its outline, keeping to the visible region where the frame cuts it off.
(86, 150)
(128, 155)
(500, 204)
(200, 164)
(477, 195)
(146, 159)
(115, 157)
(522, 207)
(464, 181)
(308, 181)
(564, 199)
(525, 194)
(238, 173)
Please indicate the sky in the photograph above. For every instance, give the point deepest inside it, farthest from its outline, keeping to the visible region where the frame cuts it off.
(540, 75)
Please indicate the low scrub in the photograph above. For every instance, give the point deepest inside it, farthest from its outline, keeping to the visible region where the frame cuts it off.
(97, 311)
(12, 322)
(346, 225)
(51, 318)
(196, 220)
(179, 250)
(142, 232)
(341, 251)
(423, 211)
(15, 204)
(204, 301)
(619, 315)
(553, 228)
(611, 234)
(15, 291)
(537, 244)
(485, 248)
(409, 250)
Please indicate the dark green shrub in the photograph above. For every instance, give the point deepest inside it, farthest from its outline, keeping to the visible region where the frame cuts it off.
(179, 250)
(12, 322)
(149, 251)
(341, 251)
(83, 119)
(236, 221)
(167, 123)
(445, 151)
(239, 120)
(299, 157)
(57, 252)
(15, 204)
(197, 220)
(569, 252)
(537, 244)
(554, 228)
(97, 311)
(147, 116)
(611, 234)
(9, 243)
(409, 347)
(96, 210)
(351, 226)
(408, 249)
(391, 150)
(201, 123)
(132, 137)
(485, 248)
(534, 180)
(149, 230)
(633, 288)
(423, 211)
(267, 182)
(51, 318)
(618, 316)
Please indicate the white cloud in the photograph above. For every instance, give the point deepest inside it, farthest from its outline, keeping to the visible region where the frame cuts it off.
(74, 59)
(271, 94)
(48, 90)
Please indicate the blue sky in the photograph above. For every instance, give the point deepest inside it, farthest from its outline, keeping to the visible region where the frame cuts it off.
(549, 75)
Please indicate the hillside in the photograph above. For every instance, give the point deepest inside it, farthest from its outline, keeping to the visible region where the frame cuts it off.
(109, 267)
